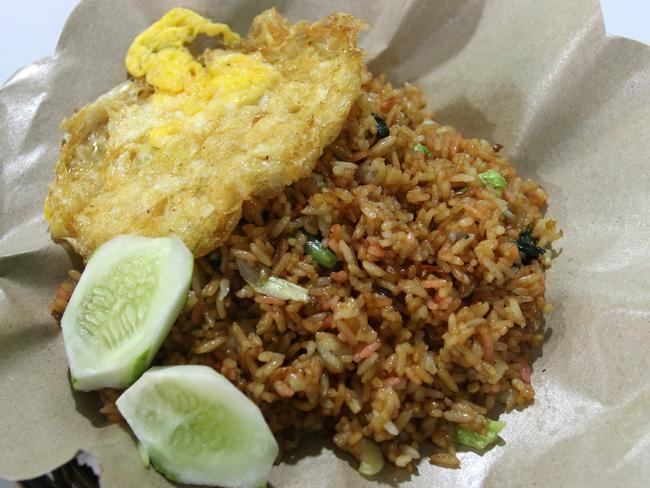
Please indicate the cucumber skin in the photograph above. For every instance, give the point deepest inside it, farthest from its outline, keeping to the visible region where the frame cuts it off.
(123, 375)
(157, 466)
(141, 363)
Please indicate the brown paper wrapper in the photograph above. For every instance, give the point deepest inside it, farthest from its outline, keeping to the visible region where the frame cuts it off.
(571, 107)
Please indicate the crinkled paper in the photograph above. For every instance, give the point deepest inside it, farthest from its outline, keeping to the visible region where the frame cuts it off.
(571, 107)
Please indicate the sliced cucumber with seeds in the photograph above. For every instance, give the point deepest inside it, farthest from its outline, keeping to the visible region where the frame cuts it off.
(127, 299)
(196, 427)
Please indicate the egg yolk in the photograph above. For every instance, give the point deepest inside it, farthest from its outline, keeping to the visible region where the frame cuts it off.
(186, 85)
(159, 53)
(47, 211)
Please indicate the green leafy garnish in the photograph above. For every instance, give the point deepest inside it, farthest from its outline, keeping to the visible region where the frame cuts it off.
(422, 148)
(320, 252)
(494, 179)
(470, 438)
(528, 251)
(382, 128)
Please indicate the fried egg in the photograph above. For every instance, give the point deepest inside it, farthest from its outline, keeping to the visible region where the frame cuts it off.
(180, 146)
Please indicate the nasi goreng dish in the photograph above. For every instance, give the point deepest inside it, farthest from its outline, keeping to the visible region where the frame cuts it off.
(277, 241)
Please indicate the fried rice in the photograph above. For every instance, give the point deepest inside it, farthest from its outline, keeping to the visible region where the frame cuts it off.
(430, 319)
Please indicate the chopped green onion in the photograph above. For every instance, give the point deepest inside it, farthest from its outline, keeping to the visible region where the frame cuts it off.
(273, 286)
(382, 128)
(422, 148)
(320, 252)
(495, 180)
(470, 438)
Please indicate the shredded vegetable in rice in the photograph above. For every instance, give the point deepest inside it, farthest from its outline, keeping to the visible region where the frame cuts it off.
(271, 286)
(409, 321)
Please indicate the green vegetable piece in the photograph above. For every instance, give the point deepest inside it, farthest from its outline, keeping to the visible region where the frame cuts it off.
(494, 179)
(197, 427)
(372, 459)
(528, 251)
(470, 438)
(320, 252)
(127, 299)
(382, 128)
(272, 286)
(422, 148)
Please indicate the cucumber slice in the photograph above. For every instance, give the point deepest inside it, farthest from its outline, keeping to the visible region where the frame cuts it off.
(198, 428)
(127, 299)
